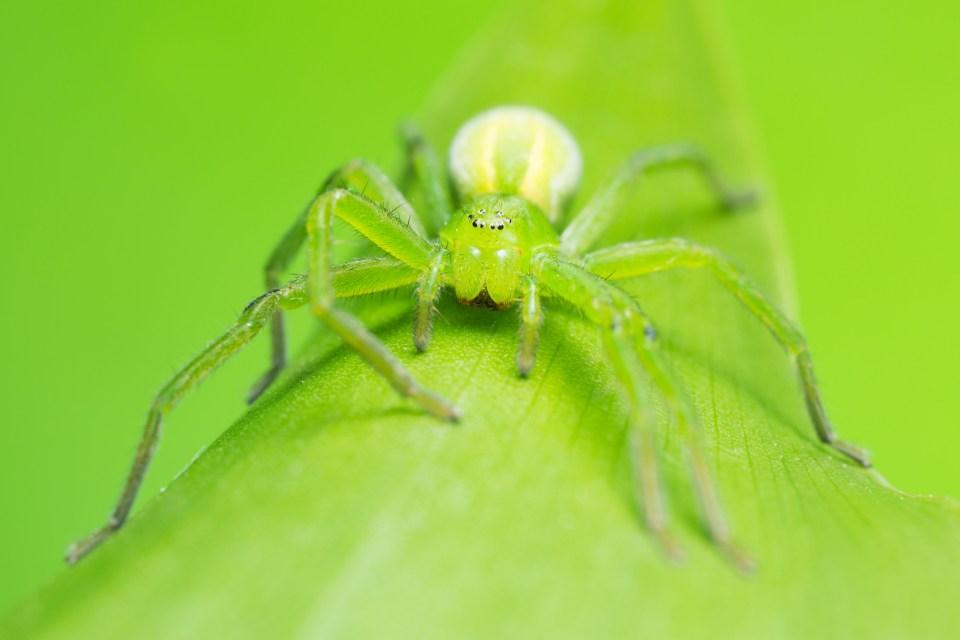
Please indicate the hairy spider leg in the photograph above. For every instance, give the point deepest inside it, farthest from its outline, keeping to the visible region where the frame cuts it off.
(253, 318)
(632, 346)
(366, 276)
(424, 169)
(642, 258)
(277, 264)
(396, 238)
(651, 357)
(531, 317)
(356, 278)
(428, 290)
(689, 428)
(606, 204)
(360, 177)
(618, 327)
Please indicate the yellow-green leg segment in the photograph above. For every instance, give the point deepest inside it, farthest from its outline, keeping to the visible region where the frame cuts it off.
(632, 347)
(642, 258)
(424, 170)
(360, 177)
(531, 317)
(359, 277)
(428, 290)
(253, 318)
(606, 205)
(400, 241)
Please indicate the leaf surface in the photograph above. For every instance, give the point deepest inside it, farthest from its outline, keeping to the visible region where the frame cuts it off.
(336, 509)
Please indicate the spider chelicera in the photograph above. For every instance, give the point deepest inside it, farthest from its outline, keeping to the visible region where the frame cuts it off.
(513, 171)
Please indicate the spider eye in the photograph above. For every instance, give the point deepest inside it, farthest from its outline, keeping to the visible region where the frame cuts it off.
(474, 222)
(482, 211)
(500, 226)
(499, 214)
(470, 216)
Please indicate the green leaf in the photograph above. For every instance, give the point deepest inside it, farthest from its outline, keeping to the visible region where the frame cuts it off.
(336, 509)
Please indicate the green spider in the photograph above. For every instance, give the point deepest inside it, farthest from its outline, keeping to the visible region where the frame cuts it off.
(513, 171)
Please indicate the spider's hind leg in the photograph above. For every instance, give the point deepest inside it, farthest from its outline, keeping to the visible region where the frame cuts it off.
(607, 203)
(424, 170)
(278, 262)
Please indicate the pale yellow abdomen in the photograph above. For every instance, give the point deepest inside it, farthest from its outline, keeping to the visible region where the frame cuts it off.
(518, 151)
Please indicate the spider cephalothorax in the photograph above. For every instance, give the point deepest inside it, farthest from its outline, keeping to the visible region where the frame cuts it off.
(513, 171)
(492, 240)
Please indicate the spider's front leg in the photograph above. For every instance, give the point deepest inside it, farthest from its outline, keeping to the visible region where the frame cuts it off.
(360, 177)
(642, 258)
(253, 318)
(357, 278)
(397, 239)
(631, 345)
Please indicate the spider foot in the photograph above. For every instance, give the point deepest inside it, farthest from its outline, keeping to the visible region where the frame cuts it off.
(858, 454)
(739, 558)
(436, 404)
(79, 549)
(669, 545)
(262, 384)
(741, 199)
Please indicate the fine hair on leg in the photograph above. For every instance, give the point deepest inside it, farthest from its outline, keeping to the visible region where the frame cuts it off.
(360, 177)
(397, 239)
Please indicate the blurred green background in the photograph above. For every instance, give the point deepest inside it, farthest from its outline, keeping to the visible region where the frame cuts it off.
(152, 155)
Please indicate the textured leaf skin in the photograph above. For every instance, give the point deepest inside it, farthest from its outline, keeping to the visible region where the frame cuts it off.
(335, 509)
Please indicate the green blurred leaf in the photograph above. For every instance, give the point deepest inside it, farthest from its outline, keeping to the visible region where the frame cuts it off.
(335, 509)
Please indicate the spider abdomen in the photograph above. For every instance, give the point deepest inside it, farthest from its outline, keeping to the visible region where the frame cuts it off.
(516, 151)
